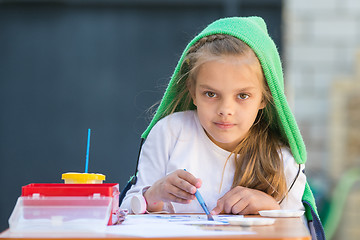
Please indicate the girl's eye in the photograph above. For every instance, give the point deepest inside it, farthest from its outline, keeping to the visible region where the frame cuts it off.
(210, 94)
(243, 96)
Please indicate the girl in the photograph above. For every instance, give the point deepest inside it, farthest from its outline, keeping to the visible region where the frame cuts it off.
(224, 118)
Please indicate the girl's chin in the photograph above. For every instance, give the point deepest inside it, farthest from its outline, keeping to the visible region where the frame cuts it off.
(227, 145)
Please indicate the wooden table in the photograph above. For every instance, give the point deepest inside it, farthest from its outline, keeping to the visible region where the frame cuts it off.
(283, 228)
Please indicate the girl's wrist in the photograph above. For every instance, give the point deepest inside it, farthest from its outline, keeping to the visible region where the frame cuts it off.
(153, 204)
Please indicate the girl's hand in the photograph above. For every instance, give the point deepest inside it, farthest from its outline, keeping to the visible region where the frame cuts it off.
(179, 186)
(242, 200)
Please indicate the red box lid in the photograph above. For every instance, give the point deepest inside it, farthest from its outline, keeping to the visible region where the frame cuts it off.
(62, 189)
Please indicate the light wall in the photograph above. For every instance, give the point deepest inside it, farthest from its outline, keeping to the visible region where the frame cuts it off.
(321, 39)
(322, 75)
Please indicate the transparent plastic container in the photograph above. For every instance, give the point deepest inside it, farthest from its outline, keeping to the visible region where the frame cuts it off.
(83, 178)
(60, 214)
(75, 190)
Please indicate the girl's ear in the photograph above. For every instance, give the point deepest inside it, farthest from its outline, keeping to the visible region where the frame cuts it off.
(192, 92)
(191, 89)
(263, 103)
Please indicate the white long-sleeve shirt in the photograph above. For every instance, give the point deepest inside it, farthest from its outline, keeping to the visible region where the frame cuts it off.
(178, 141)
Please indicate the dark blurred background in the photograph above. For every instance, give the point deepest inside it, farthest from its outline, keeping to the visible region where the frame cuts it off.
(66, 66)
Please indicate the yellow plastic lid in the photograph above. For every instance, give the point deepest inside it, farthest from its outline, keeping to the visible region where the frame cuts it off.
(73, 177)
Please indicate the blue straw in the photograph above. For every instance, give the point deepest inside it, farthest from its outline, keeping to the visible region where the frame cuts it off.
(87, 151)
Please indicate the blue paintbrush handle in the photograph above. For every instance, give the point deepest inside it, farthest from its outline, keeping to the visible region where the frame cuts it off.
(201, 201)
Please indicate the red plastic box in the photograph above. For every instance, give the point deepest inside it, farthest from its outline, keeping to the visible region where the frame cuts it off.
(75, 190)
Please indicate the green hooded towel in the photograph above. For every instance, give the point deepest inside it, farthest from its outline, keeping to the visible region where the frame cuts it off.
(252, 31)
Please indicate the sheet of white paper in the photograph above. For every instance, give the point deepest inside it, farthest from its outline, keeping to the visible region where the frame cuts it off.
(152, 225)
(167, 230)
(181, 219)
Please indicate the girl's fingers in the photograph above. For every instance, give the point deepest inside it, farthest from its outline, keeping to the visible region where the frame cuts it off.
(173, 198)
(189, 178)
(179, 186)
(241, 200)
(220, 206)
(184, 181)
(179, 193)
(217, 210)
(231, 202)
(240, 206)
(184, 185)
(248, 210)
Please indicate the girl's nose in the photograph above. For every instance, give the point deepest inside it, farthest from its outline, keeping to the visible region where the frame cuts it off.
(226, 108)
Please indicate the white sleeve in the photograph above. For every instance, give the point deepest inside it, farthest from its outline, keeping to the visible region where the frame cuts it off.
(153, 159)
(292, 173)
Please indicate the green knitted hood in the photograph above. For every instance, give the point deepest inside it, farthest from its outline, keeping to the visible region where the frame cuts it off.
(252, 31)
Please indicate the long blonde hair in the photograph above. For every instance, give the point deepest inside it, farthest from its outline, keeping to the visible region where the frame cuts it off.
(258, 159)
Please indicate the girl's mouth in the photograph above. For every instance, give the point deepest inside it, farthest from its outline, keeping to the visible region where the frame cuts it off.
(224, 125)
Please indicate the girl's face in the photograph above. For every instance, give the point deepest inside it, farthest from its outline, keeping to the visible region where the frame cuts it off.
(228, 94)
